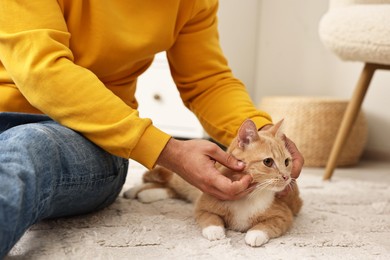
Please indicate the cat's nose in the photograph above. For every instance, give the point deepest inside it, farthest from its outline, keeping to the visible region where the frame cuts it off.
(285, 177)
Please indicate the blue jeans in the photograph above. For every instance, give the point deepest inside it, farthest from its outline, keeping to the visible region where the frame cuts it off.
(49, 171)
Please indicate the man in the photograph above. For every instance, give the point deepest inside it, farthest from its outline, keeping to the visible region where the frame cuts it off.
(69, 120)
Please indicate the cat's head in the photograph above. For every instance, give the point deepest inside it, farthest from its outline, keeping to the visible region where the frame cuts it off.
(264, 152)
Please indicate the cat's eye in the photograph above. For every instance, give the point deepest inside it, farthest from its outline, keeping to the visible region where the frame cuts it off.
(268, 162)
(287, 162)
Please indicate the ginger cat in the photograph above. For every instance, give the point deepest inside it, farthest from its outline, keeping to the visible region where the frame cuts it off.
(261, 214)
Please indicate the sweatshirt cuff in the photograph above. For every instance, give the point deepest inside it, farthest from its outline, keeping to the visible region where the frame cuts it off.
(150, 146)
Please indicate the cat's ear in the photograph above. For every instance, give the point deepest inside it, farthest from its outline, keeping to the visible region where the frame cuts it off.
(247, 133)
(277, 129)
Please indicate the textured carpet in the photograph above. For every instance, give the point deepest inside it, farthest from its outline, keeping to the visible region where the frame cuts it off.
(347, 218)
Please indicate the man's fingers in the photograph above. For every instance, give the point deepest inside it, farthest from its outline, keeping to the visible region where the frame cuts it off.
(298, 160)
(297, 167)
(226, 189)
(283, 193)
(226, 159)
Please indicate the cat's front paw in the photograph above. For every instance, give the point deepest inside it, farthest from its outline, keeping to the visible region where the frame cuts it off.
(133, 192)
(146, 194)
(256, 238)
(152, 195)
(213, 232)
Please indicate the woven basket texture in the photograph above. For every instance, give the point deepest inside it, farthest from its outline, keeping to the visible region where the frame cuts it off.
(312, 123)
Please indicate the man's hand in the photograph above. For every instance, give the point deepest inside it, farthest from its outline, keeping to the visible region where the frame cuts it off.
(194, 161)
(297, 160)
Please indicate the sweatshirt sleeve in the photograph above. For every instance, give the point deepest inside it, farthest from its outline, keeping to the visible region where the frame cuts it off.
(34, 49)
(204, 79)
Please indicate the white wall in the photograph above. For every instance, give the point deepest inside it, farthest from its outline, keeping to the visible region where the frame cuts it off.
(238, 27)
(274, 48)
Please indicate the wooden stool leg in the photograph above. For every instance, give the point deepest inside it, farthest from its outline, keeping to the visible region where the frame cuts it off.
(349, 117)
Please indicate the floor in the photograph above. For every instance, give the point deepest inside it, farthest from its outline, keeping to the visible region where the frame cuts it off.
(346, 218)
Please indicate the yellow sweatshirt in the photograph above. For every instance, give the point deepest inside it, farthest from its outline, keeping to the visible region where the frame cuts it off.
(78, 61)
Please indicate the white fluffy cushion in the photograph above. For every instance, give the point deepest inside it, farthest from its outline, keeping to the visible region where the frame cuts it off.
(339, 3)
(358, 32)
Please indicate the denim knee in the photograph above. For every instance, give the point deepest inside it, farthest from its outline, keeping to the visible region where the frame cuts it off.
(73, 175)
(47, 170)
(33, 153)
(25, 188)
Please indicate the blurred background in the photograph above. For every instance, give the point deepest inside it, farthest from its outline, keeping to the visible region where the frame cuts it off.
(279, 43)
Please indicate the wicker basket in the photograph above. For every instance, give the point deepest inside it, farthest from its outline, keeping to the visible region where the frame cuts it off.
(312, 123)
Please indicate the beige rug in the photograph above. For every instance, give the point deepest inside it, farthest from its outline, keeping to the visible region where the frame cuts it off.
(347, 218)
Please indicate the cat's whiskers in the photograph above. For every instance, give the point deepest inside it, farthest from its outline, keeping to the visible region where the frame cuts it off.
(265, 183)
(255, 193)
(259, 188)
(273, 183)
(263, 186)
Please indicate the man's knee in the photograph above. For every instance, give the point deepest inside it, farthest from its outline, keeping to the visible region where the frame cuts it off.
(36, 139)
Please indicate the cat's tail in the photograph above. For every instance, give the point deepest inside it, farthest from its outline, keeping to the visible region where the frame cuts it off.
(172, 181)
